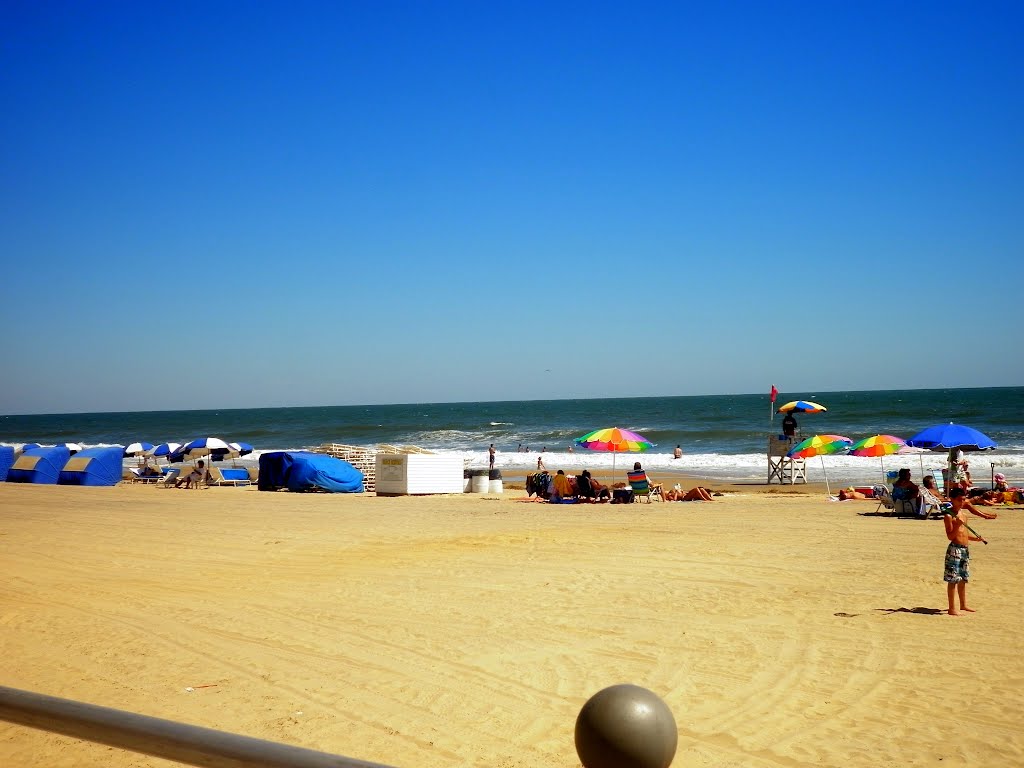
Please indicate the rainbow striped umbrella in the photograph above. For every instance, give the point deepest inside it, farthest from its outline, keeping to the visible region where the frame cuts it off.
(877, 445)
(820, 445)
(880, 446)
(801, 406)
(614, 440)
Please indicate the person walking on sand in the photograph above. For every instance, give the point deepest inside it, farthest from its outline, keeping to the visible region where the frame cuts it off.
(490, 456)
(957, 571)
(540, 463)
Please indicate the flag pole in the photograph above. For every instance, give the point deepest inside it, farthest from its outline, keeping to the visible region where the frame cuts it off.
(771, 405)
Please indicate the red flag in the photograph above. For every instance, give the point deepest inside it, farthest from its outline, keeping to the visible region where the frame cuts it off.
(774, 392)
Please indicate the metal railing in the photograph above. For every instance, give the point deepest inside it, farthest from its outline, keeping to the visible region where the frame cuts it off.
(189, 744)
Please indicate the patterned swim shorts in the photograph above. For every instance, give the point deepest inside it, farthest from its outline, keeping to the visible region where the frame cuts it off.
(958, 563)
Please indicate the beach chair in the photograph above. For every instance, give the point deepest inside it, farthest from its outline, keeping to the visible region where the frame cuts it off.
(137, 476)
(228, 476)
(884, 499)
(929, 505)
(169, 478)
(642, 486)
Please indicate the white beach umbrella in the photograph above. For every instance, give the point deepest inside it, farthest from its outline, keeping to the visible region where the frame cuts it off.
(204, 446)
(138, 449)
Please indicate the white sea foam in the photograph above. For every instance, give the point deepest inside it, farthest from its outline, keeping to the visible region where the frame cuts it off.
(749, 466)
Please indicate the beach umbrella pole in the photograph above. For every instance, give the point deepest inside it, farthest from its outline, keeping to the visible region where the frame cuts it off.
(827, 488)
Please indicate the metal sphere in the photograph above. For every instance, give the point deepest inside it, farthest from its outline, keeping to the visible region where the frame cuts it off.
(626, 726)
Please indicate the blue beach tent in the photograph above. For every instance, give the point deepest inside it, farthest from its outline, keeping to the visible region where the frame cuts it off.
(93, 466)
(304, 471)
(6, 460)
(39, 465)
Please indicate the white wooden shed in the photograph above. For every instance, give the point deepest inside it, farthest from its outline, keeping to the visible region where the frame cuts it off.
(407, 474)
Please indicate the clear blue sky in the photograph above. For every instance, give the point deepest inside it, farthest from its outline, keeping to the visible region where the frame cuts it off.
(257, 204)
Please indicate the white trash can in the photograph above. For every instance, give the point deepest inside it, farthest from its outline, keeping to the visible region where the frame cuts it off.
(479, 482)
(494, 481)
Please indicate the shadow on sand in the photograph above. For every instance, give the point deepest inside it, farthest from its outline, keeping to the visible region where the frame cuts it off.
(919, 609)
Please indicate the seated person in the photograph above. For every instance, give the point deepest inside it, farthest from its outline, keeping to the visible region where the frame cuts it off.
(561, 488)
(1001, 486)
(929, 486)
(904, 489)
(588, 487)
(194, 477)
(148, 470)
(931, 497)
(640, 482)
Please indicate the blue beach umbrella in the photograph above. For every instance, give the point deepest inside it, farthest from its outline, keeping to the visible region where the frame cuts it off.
(138, 449)
(945, 436)
(952, 437)
(165, 450)
(235, 450)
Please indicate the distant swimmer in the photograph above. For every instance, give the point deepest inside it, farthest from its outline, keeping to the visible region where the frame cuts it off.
(678, 452)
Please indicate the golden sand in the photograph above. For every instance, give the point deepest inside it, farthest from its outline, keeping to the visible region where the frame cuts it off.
(780, 629)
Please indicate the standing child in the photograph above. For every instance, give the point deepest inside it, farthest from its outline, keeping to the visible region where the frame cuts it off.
(958, 554)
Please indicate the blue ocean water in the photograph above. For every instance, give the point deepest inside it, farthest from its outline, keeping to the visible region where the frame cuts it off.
(722, 436)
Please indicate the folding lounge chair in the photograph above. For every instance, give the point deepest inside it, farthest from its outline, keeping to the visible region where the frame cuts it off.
(884, 499)
(930, 505)
(228, 476)
(642, 487)
(169, 478)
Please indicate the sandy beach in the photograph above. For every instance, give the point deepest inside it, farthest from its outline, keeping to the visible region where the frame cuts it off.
(780, 629)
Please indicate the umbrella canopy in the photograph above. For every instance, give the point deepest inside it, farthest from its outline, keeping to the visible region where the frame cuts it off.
(137, 449)
(615, 440)
(72, 447)
(165, 449)
(945, 436)
(877, 445)
(880, 446)
(820, 445)
(204, 445)
(234, 451)
(801, 406)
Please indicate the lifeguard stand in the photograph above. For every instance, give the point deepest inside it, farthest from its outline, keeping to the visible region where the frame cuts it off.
(780, 466)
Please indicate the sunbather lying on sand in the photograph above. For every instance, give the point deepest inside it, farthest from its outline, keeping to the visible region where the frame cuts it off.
(694, 494)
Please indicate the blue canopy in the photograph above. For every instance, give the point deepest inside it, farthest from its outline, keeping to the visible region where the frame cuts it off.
(6, 460)
(39, 465)
(93, 466)
(943, 436)
(304, 471)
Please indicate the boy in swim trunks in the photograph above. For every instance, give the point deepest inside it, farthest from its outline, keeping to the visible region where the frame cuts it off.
(958, 555)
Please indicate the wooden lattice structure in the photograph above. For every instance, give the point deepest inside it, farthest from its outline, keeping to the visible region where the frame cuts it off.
(780, 466)
(365, 459)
